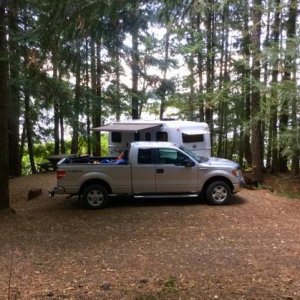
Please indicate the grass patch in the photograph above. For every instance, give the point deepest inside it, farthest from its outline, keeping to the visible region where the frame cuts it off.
(169, 291)
(292, 195)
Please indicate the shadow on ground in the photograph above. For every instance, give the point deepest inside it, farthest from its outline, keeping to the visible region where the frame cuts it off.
(124, 201)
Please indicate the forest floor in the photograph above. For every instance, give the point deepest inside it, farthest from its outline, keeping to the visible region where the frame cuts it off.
(51, 248)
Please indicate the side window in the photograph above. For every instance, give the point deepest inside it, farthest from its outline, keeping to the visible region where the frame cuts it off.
(145, 156)
(162, 136)
(147, 136)
(171, 156)
(116, 137)
(181, 158)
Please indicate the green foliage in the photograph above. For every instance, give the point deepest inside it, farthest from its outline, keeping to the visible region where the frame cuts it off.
(43, 150)
(104, 144)
(289, 141)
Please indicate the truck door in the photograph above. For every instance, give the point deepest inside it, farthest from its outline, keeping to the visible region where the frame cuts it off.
(171, 173)
(143, 172)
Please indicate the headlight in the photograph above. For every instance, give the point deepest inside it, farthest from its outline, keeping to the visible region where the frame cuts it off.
(236, 173)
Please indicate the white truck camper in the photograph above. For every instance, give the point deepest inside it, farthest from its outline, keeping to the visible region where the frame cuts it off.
(195, 136)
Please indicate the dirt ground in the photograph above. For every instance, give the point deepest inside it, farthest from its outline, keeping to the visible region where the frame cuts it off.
(51, 248)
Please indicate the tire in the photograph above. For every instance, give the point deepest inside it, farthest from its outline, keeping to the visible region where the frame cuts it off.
(218, 193)
(95, 196)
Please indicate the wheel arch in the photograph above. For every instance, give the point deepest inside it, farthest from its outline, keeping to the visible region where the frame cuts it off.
(217, 178)
(95, 181)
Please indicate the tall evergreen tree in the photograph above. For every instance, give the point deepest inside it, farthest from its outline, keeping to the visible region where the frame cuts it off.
(4, 102)
(256, 140)
(14, 80)
(290, 79)
(135, 60)
(273, 132)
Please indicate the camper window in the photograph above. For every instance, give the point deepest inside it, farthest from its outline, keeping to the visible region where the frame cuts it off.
(116, 137)
(161, 136)
(192, 138)
(136, 136)
(147, 136)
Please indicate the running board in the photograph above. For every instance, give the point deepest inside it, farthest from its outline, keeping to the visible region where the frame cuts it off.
(167, 196)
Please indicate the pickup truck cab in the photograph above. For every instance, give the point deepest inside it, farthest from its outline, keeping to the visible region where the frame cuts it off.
(153, 169)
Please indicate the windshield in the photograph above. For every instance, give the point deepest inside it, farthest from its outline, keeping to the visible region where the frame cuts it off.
(198, 158)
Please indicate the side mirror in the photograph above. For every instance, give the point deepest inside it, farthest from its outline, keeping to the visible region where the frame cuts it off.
(189, 163)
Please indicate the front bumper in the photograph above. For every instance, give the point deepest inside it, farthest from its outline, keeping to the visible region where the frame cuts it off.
(238, 186)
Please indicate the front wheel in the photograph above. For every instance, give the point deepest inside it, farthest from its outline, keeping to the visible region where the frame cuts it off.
(218, 193)
(95, 196)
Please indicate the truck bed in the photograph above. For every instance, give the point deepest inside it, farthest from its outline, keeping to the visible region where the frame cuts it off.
(88, 159)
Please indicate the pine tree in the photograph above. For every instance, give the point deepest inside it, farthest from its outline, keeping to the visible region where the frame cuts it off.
(256, 140)
(4, 100)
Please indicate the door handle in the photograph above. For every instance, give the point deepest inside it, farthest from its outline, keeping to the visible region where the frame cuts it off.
(159, 171)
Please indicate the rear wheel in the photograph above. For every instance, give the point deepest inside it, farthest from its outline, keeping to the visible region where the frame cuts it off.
(95, 196)
(218, 193)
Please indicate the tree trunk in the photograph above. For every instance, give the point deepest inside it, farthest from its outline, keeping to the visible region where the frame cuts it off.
(246, 85)
(22, 144)
(88, 102)
(95, 101)
(165, 69)
(273, 140)
(98, 112)
(283, 126)
(223, 83)
(256, 141)
(4, 100)
(295, 131)
(28, 113)
(118, 83)
(290, 64)
(61, 124)
(135, 66)
(14, 107)
(291, 34)
(55, 104)
(191, 97)
(209, 67)
(75, 118)
(266, 73)
(29, 130)
(200, 74)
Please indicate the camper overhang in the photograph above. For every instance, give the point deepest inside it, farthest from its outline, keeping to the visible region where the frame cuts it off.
(122, 127)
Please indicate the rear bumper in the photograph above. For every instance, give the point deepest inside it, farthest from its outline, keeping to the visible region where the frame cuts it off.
(56, 190)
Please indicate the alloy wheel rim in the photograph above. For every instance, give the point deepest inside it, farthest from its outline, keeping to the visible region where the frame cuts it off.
(95, 197)
(219, 193)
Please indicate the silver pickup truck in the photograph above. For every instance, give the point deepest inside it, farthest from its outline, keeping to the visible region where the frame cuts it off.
(153, 169)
